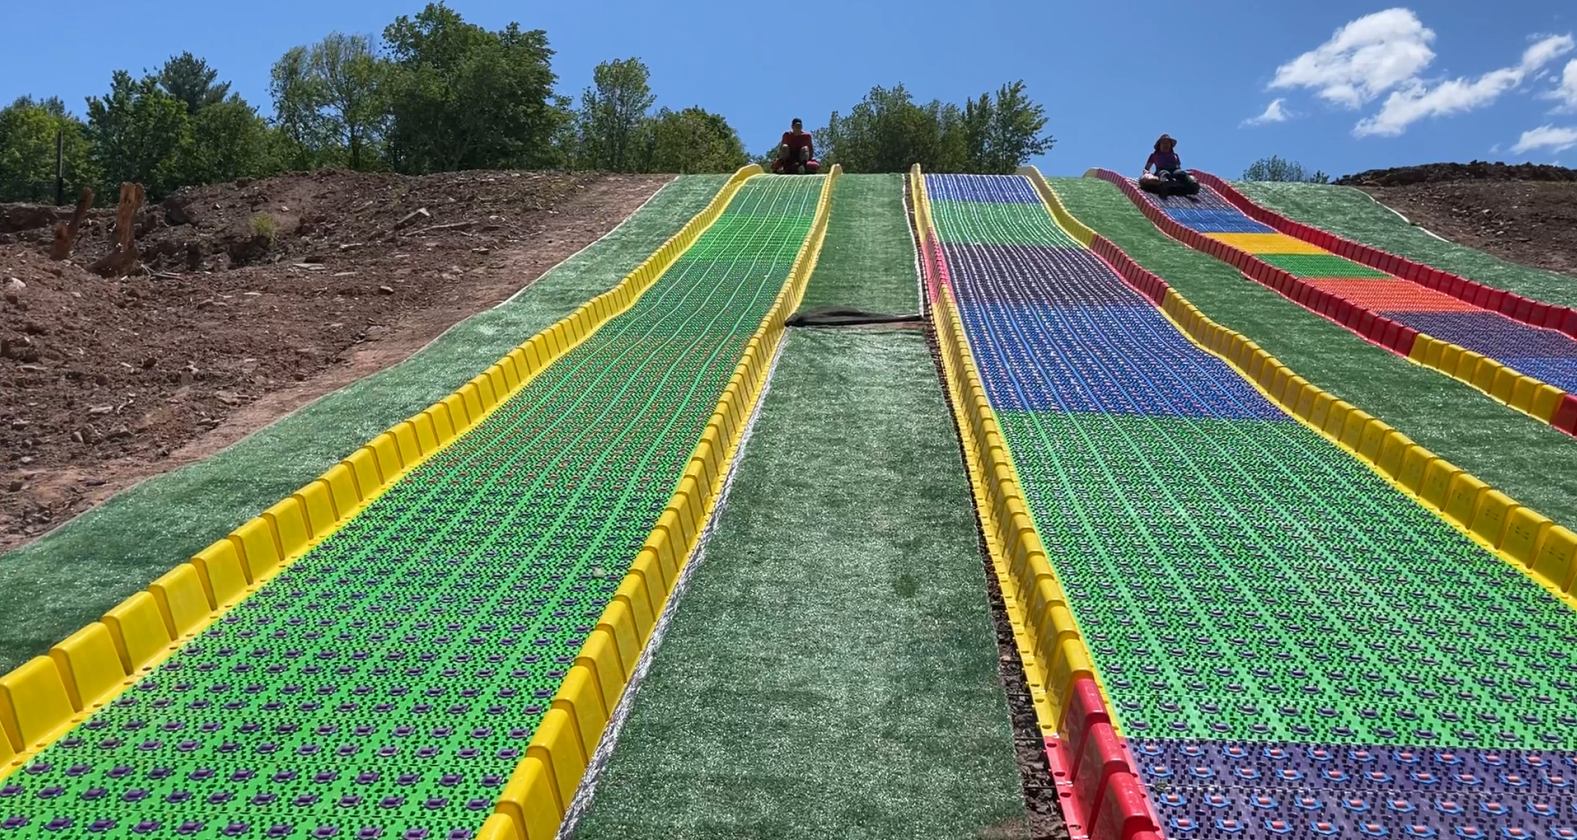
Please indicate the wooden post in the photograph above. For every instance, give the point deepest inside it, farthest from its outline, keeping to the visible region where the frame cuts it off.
(66, 234)
(121, 261)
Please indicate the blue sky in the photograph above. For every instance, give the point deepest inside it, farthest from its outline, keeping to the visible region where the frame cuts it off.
(1422, 81)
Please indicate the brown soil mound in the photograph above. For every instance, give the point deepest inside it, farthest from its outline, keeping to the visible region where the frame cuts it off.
(261, 297)
(1474, 171)
(1525, 213)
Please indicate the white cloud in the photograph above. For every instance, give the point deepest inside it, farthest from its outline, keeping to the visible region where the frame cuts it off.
(1275, 112)
(1565, 93)
(1417, 100)
(1363, 59)
(1546, 137)
(1546, 50)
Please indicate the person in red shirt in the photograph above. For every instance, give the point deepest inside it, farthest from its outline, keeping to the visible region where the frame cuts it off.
(797, 152)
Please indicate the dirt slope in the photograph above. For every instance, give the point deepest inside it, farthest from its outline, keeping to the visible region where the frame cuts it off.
(261, 296)
(1525, 213)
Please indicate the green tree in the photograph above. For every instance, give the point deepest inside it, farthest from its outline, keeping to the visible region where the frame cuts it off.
(29, 130)
(298, 94)
(138, 132)
(189, 79)
(1276, 168)
(692, 140)
(1012, 130)
(612, 112)
(462, 97)
(973, 130)
(229, 141)
(350, 83)
(564, 142)
(888, 132)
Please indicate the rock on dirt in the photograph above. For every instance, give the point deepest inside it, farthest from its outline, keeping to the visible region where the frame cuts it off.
(105, 382)
(1525, 213)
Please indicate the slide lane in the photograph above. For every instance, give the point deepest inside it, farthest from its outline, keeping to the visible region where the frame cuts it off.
(1531, 367)
(1288, 644)
(387, 683)
(1515, 306)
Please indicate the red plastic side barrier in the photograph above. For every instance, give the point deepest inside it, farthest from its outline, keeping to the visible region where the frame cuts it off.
(1146, 283)
(1124, 813)
(1102, 759)
(1565, 417)
(1534, 313)
(1086, 708)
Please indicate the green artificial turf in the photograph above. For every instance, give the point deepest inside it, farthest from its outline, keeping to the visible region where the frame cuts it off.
(68, 578)
(1319, 265)
(1531, 461)
(1352, 213)
(831, 670)
(872, 250)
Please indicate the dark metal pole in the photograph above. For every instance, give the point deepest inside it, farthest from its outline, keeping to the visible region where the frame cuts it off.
(60, 166)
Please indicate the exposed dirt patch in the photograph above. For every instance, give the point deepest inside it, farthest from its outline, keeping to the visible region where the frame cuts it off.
(106, 382)
(1525, 213)
(1477, 170)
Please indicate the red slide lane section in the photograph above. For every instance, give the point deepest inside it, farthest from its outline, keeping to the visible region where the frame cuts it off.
(1512, 305)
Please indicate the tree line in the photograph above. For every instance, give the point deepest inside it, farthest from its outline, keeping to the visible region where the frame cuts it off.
(888, 131)
(1277, 168)
(437, 93)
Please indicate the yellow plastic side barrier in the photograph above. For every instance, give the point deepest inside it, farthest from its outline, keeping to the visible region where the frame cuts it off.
(255, 545)
(181, 600)
(138, 630)
(1555, 559)
(33, 704)
(1078, 229)
(317, 502)
(544, 783)
(497, 827)
(219, 567)
(528, 801)
(1481, 512)
(142, 628)
(89, 665)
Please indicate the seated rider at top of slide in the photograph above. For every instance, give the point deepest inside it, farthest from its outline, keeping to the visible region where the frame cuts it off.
(1170, 178)
(797, 153)
(1164, 158)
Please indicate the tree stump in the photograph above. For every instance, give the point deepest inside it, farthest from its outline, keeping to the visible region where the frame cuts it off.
(123, 259)
(66, 233)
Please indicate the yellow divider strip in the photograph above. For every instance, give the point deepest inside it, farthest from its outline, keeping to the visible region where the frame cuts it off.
(1525, 393)
(1267, 243)
(47, 695)
(541, 789)
(1528, 540)
(1048, 639)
